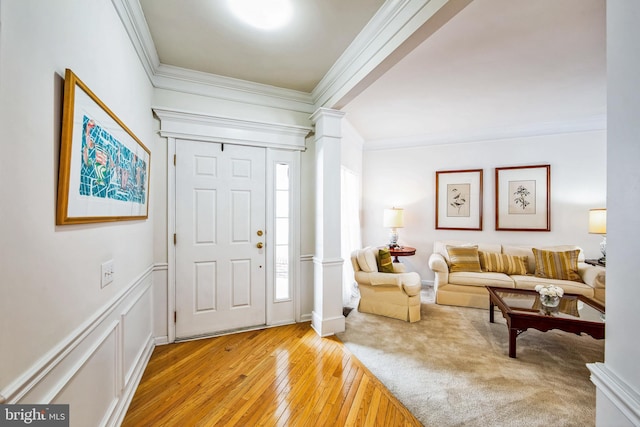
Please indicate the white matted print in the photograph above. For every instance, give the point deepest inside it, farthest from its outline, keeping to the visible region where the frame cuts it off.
(104, 167)
(459, 199)
(523, 197)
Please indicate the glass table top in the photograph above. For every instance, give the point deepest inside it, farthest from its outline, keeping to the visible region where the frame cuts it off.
(570, 307)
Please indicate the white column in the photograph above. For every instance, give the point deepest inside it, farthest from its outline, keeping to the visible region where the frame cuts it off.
(327, 316)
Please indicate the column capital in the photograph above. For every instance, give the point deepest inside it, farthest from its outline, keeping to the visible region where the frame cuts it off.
(328, 122)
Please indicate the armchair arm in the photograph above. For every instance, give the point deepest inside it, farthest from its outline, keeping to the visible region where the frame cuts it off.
(592, 275)
(409, 282)
(376, 279)
(439, 266)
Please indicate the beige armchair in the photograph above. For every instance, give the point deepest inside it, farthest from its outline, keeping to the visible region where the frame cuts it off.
(394, 294)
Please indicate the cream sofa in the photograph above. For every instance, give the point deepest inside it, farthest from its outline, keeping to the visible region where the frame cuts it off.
(394, 294)
(467, 289)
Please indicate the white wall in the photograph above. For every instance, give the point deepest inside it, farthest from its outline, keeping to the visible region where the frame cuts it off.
(618, 379)
(50, 289)
(406, 178)
(351, 146)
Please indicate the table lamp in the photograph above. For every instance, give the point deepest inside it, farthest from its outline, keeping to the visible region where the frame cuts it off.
(598, 225)
(393, 219)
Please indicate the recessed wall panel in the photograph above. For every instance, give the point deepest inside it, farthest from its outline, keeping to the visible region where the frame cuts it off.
(241, 282)
(205, 216)
(205, 166)
(205, 286)
(240, 168)
(240, 216)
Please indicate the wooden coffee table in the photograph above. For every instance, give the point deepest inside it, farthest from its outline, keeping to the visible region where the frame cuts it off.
(522, 310)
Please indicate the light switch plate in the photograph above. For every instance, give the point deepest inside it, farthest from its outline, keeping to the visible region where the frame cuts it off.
(106, 273)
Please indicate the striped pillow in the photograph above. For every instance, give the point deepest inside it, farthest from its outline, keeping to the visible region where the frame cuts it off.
(503, 263)
(385, 264)
(557, 265)
(463, 258)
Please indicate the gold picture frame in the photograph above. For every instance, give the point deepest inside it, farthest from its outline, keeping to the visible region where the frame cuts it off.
(104, 167)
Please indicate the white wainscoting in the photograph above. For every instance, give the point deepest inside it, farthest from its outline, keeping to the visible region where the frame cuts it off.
(306, 287)
(97, 368)
(160, 292)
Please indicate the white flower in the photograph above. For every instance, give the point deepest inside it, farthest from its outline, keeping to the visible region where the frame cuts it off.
(550, 290)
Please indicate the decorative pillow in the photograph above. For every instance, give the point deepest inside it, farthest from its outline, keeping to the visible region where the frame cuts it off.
(464, 258)
(503, 263)
(385, 264)
(557, 265)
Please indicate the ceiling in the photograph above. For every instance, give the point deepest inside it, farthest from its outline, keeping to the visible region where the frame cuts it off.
(499, 68)
(204, 35)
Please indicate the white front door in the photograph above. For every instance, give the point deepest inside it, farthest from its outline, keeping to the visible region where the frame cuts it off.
(220, 219)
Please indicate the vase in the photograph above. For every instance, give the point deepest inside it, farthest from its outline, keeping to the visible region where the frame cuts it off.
(549, 301)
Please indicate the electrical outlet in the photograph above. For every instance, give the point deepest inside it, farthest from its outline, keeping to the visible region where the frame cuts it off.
(106, 273)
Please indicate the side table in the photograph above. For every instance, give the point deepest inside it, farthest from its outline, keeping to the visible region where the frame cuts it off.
(401, 251)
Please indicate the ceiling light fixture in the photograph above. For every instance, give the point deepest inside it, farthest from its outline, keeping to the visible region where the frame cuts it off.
(263, 14)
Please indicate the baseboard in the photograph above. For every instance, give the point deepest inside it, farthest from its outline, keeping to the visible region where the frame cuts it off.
(162, 340)
(306, 318)
(117, 416)
(327, 326)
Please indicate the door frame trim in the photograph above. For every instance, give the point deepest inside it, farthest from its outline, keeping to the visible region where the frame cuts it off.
(175, 125)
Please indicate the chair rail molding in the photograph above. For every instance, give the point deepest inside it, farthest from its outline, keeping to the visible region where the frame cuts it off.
(621, 396)
(110, 349)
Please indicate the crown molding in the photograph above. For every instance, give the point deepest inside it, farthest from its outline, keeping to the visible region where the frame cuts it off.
(588, 124)
(199, 83)
(391, 26)
(130, 13)
(189, 81)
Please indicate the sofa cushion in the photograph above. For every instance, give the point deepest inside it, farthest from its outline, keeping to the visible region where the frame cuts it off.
(557, 265)
(469, 278)
(502, 263)
(569, 287)
(385, 263)
(367, 260)
(463, 258)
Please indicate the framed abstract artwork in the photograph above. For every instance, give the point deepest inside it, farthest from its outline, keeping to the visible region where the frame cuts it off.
(104, 167)
(523, 195)
(459, 200)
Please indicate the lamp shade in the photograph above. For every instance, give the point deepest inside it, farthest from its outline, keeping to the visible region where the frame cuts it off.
(598, 221)
(393, 218)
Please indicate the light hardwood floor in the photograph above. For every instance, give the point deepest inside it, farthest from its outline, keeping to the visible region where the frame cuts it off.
(283, 376)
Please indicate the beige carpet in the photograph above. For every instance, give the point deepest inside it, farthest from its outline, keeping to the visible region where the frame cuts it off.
(452, 368)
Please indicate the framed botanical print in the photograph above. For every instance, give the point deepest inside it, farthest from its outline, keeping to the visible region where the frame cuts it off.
(523, 195)
(459, 200)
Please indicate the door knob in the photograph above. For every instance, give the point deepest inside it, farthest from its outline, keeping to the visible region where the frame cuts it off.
(259, 245)
(260, 233)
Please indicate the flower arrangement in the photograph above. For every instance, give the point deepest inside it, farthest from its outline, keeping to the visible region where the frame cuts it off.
(550, 295)
(549, 291)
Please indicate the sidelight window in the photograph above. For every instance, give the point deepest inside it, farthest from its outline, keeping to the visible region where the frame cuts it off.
(282, 223)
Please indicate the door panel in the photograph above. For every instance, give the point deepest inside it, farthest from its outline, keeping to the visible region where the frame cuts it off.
(220, 206)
